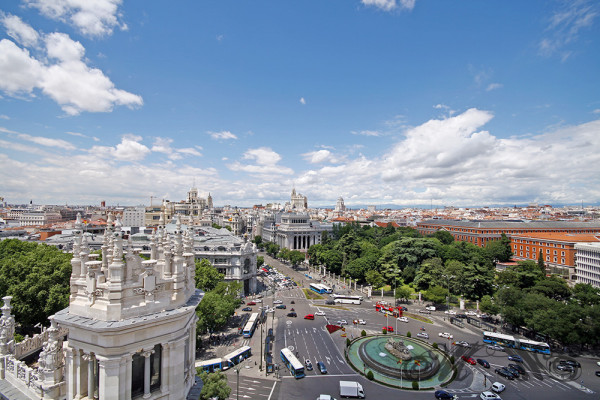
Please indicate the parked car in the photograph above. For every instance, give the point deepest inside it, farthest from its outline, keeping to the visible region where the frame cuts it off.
(597, 373)
(258, 300)
(425, 311)
(362, 322)
(423, 335)
(281, 306)
(463, 343)
(483, 363)
(389, 328)
(445, 335)
(472, 313)
(329, 302)
(247, 309)
(498, 387)
(404, 308)
(308, 365)
(504, 373)
(489, 396)
(518, 367)
(565, 368)
(469, 360)
(342, 322)
(320, 313)
(572, 363)
(515, 358)
(430, 308)
(277, 301)
(461, 316)
(292, 302)
(251, 303)
(403, 319)
(443, 395)
(309, 316)
(495, 347)
(514, 371)
(451, 312)
(322, 368)
(292, 314)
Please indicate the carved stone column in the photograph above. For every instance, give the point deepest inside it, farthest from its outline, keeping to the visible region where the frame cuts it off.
(146, 353)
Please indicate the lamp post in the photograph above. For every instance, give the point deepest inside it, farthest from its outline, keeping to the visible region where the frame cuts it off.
(237, 372)
(448, 277)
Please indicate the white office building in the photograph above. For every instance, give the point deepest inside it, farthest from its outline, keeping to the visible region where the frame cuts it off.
(587, 263)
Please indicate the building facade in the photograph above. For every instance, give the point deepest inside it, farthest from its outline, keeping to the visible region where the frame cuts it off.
(588, 263)
(295, 231)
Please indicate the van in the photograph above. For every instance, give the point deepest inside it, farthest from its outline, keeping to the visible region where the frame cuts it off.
(498, 387)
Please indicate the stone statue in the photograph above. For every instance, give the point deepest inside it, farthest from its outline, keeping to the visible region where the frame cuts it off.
(398, 349)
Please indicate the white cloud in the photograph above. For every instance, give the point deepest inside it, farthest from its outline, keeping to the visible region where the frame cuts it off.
(130, 149)
(19, 30)
(596, 111)
(91, 17)
(265, 163)
(367, 133)
(493, 86)
(389, 5)
(76, 134)
(223, 135)
(316, 157)
(302, 101)
(6, 117)
(44, 141)
(63, 76)
(163, 145)
(565, 25)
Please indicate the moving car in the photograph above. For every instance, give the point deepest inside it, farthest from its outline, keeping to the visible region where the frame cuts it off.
(572, 363)
(445, 335)
(351, 389)
(489, 396)
(403, 319)
(451, 312)
(443, 395)
(504, 373)
(251, 303)
(281, 306)
(425, 311)
(495, 347)
(320, 313)
(309, 316)
(469, 360)
(329, 302)
(565, 368)
(362, 322)
(430, 308)
(518, 367)
(515, 358)
(597, 373)
(498, 387)
(473, 313)
(325, 397)
(342, 322)
(513, 371)
(277, 302)
(322, 368)
(389, 328)
(463, 343)
(483, 363)
(423, 335)
(308, 365)
(292, 314)
(247, 309)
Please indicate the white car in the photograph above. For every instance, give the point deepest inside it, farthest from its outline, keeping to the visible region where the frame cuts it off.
(277, 302)
(489, 396)
(258, 301)
(423, 335)
(403, 319)
(362, 322)
(445, 335)
(470, 313)
(451, 312)
(430, 308)
(498, 387)
(342, 322)
(320, 313)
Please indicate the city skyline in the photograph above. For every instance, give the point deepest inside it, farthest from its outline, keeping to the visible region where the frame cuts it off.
(378, 101)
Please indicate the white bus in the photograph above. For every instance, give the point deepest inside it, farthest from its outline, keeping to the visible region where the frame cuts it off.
(294, 365)
(343, 299)
(250, 326)
(320, 288)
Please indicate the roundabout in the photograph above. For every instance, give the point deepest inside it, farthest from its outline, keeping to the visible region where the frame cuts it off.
(399, 361)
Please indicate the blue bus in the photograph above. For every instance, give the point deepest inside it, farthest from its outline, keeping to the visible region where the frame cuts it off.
(515, 343)
(250, 326)
(294, 365)
(320, 288)
(239, 355)
(212, 365)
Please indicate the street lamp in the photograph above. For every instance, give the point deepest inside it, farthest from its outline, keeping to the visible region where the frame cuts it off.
(237, 372)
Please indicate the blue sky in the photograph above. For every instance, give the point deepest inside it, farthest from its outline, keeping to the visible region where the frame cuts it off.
(400, 102)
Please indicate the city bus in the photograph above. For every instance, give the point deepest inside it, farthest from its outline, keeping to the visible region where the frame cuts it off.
(294, 365)
(320, 288)
(514, 343)
(239, 355)
(250, 326)
(343, 299)
(212, 365)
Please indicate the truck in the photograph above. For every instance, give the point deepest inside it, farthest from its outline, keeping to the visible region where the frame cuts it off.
(351, 389)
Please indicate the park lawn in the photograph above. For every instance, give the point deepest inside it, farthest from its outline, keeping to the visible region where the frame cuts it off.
(417, 317)
(312, 295)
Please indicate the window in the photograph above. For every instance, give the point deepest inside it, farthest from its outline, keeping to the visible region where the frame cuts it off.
(138, 365)
(247, 266)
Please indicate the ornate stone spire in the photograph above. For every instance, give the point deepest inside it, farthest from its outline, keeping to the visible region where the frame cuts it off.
(7, 327)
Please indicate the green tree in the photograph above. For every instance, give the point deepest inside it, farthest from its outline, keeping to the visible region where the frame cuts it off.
(488, 305)
(214, 386)
(436, 294)
(296, 257)
(406, 254)
(403, 293)
(37, 277)
(272, 249)
(260, 260)
(443, 236)
(541, 264)
(499, 249)
(374, 279)
(332, 259)
(429, 274)
(218, 306)
(258, 240)
(207, 276)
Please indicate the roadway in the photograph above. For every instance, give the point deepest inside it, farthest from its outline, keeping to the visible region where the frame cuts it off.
(309, 339)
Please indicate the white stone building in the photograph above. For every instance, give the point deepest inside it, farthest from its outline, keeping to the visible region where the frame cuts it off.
(134, 217)
(587, 263)
(293, 231)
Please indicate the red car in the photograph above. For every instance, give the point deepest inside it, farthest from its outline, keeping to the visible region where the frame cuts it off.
(389, 328)
(469, 360)
(309, 316)
(250, 303)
